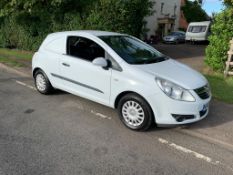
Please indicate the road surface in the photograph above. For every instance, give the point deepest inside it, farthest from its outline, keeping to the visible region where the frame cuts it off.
(63, 134)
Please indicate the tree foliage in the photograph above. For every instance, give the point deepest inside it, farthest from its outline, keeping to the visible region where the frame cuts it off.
(120, 15)
(30, 21)
(193, 12)
(222, 33)
(228, 2)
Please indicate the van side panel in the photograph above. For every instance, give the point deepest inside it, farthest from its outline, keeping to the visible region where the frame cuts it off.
(198, 31)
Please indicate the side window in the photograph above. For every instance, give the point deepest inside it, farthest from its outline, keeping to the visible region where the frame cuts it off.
(190, 29)
(84, 48)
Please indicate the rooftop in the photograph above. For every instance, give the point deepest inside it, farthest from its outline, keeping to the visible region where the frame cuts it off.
(91, 32)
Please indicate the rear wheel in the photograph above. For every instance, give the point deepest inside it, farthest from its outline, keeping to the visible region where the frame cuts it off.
(42, 83)
(135, 112)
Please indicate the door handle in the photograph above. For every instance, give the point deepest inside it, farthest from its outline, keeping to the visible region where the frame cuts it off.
(65, 64)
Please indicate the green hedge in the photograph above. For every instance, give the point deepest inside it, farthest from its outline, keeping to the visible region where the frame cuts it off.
(25, 24)
(222, 33)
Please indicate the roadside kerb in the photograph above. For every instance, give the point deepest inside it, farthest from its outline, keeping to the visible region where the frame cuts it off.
(14, 71)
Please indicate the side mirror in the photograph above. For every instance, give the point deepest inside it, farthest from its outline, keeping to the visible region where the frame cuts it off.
(101, 62)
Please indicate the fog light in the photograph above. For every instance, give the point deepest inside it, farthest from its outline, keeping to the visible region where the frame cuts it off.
(181, 118)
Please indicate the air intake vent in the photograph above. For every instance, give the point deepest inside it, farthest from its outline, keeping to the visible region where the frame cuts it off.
(203, 92)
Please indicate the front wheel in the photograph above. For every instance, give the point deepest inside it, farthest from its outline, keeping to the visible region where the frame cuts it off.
(135, 112)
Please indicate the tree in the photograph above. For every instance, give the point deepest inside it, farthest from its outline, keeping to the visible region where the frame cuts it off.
(222, 32)
(37, 18)
(120, 16)
(193, 12)
(228, 2)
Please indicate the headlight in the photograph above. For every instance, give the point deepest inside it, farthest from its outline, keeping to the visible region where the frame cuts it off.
(174, 91)
(173, 38)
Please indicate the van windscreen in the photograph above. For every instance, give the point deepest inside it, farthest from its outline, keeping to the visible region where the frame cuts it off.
(197, 29)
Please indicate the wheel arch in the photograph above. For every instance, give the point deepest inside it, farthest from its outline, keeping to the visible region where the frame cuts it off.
(122, 94)
(35, 70)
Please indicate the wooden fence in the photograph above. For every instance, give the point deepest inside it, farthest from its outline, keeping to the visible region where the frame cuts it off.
(229, 62)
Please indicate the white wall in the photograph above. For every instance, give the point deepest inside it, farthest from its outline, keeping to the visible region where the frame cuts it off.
(152, 22)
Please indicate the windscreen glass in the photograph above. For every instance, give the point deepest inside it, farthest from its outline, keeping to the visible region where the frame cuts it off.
(132, 50)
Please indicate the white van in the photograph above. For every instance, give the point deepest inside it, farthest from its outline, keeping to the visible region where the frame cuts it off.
(122, 72)
(198, 31)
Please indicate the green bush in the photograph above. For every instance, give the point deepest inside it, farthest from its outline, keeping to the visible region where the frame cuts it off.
(25, 24)
(120, 16)
(13, 35)
(222, 33)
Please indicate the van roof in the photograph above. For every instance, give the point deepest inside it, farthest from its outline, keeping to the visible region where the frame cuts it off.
(199, 23)
(90, 32)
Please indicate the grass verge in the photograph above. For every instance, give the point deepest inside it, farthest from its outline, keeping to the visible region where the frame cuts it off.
(10, 62)
(222, 88)
(14, 53)
(15, 58)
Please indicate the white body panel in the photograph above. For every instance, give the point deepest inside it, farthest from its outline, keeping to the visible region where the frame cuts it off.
(198, 35)
(104, 86)
(96, 80)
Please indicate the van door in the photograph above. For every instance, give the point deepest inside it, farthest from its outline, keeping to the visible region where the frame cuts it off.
(79, 74)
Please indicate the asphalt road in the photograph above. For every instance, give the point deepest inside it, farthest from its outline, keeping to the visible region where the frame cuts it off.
(182, 50)
(192, 55)
(63, 134)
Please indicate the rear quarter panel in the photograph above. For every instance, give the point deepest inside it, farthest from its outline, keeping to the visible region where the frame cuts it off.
(48, 63)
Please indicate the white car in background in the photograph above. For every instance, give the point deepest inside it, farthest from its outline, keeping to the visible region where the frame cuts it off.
(122, 72)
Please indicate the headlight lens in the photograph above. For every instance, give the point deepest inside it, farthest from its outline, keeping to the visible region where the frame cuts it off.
(173, 38)
(174, 91)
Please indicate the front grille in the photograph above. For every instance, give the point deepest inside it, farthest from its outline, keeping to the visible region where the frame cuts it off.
(203, 92)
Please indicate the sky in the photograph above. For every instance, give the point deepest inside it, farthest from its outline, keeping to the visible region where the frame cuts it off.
(212, 6)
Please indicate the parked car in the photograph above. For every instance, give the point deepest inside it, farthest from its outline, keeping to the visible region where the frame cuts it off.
(198, 31)
(175, 37)
(122, 72)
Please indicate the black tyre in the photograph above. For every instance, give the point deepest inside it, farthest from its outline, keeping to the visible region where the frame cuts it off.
(135, 112)
(42, 83)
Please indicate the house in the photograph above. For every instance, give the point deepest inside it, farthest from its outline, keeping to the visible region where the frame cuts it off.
(183, 24)
(167, 17)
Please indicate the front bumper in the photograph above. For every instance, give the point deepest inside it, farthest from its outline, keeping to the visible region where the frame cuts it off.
(166, 109)
(169, 40)
(190, 39)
